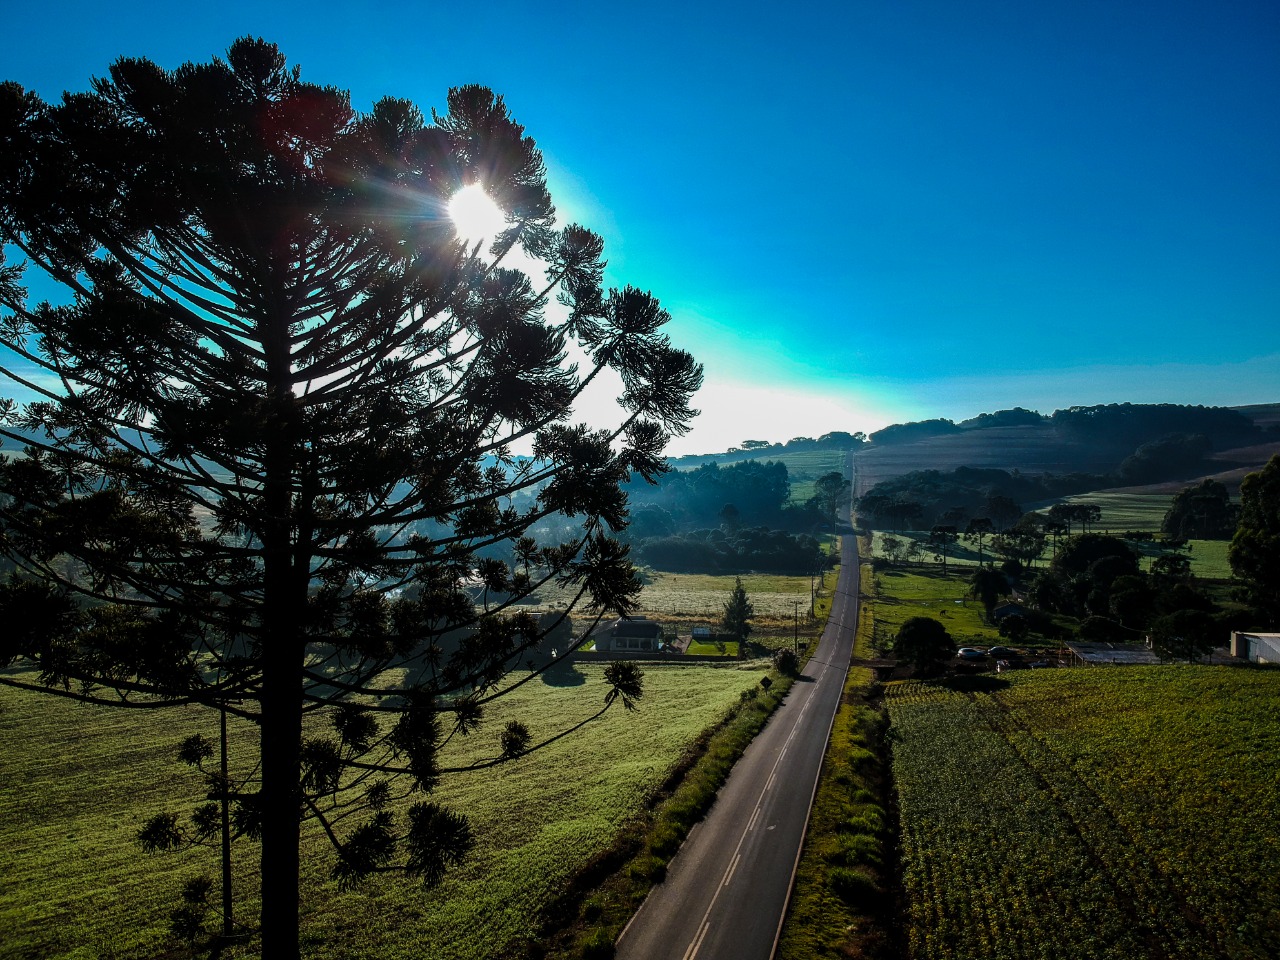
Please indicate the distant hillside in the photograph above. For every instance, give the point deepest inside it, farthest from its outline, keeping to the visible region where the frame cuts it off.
(837, 442)
(1130, 441)
(1266, 415)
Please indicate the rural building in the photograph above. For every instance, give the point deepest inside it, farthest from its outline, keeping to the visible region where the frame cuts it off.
(635, 634)
(1256, 647)
(1094, 654)
(1009, 609)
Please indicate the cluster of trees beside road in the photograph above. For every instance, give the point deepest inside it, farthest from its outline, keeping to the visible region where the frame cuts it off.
(1097, 580)
(1095, 585)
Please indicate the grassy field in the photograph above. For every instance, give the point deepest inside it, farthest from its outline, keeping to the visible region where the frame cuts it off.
(684, 599)
(805, 467)
(1126, 511)
(1103, 813)
(76, 782)
(925, 592)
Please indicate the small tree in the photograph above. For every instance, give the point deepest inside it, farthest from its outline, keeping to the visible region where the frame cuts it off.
(1185, 634)
(923, 643)
(942, 538)
(275, 435)
(987, 586)
(978, 529)
(893, 549)
(831, 491)
(1255, 549)
(1014, 628)
(738, 612)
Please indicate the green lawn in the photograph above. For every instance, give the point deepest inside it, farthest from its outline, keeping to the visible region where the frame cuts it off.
(924, 592)
(1122, 813)
(76, 782)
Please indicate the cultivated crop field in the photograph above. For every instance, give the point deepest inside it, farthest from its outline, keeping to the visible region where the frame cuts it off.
(76, 782)
(1102, 813)
(1127, 511)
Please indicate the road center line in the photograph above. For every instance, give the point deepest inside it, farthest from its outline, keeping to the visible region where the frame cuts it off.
(693, 947)
(732, 867)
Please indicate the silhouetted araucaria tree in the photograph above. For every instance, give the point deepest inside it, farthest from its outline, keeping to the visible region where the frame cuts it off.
(275, 428)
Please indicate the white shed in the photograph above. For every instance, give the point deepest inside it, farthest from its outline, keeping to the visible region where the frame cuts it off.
(1256, 647)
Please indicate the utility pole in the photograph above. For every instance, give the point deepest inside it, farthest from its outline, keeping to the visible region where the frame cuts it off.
(795, 643)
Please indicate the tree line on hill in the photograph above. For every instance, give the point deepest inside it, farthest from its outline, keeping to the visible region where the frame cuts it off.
(1115, 424)
(756, 449)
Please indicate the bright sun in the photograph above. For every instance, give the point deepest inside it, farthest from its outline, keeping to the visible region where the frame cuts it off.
(475, 217)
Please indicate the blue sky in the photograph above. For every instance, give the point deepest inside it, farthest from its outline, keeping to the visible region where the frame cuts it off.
(857, 213)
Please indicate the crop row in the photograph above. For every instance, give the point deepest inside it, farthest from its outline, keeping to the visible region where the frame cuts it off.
(1090, 813)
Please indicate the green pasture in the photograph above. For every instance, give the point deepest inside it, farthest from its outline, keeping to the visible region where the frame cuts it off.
(1208, 558)
(922, 592)
(1126, 511)
(806, 466)
(1121, 813)
(76, 783)
(962, 553)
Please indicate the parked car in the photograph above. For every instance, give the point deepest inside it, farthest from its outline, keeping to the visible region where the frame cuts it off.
(970, 653)
(1001, 652)
(1040, 665)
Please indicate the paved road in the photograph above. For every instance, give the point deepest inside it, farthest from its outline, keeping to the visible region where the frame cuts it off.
(727, 888)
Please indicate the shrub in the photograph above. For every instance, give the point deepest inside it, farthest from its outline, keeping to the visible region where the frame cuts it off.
(597, 945)
(852, 884)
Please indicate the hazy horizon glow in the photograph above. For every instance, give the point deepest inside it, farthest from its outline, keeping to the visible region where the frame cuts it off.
(868, 213)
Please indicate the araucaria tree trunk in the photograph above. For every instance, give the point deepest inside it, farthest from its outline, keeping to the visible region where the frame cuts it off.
(290, 442)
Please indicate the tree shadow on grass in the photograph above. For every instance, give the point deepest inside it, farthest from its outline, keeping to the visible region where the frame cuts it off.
(563, 674)
(974, 683)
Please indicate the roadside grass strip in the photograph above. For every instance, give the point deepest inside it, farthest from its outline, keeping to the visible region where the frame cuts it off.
(1126, 813)
(841, 899)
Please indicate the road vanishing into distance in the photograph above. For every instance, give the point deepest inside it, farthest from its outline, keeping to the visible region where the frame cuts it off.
(727, 889)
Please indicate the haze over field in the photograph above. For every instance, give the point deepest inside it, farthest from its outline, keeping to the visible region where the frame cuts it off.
(857, 214)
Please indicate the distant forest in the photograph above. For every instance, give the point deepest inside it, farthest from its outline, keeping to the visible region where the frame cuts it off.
(724, 519)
